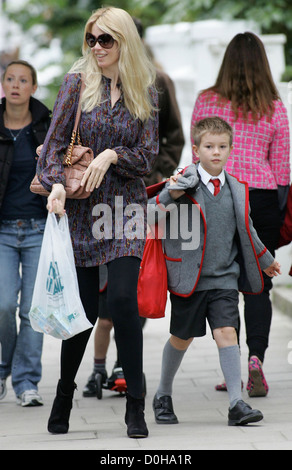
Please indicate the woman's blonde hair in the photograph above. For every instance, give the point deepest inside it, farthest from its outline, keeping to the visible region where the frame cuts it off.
(136, 71)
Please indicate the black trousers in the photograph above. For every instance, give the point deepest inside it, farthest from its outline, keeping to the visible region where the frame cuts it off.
(123, 307)
(265, 214)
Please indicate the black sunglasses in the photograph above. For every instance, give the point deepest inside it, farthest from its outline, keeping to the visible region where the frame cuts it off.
(104, 40)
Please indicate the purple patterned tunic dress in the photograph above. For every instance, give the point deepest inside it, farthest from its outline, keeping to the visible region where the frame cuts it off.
(136, 144)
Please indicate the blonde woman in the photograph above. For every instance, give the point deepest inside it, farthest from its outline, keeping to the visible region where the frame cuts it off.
(119, 122)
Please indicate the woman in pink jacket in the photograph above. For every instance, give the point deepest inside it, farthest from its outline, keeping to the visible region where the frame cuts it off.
(245, 96)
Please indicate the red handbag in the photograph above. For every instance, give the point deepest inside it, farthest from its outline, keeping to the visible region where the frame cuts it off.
(152, 282)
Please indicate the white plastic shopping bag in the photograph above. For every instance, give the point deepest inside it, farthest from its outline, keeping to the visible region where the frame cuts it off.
(56, 307)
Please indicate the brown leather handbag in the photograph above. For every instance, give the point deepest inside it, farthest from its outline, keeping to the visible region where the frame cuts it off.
(76, 161)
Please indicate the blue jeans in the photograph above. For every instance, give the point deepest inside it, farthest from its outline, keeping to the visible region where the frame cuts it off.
(20, 347)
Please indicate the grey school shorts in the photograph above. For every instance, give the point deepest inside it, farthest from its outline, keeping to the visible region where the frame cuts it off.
(189, 314)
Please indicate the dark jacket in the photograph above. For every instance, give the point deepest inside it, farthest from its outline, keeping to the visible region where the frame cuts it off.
(40, 124)
(171, 137)
(286, 229)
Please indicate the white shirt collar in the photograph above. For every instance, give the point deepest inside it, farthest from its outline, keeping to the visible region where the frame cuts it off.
(206, 177)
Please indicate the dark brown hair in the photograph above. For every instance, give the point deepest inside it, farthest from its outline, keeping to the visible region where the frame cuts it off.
(245, 78)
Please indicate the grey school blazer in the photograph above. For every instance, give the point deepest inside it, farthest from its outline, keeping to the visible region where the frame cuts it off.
(184, 265)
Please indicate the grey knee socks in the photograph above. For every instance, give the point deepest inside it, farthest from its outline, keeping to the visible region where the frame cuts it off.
(171, 360)
(230, 364)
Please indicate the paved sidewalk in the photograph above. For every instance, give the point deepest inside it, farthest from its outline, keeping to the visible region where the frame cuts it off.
(202, 412)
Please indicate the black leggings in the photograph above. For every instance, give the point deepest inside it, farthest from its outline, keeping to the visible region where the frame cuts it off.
(122, 304)
(265, 214)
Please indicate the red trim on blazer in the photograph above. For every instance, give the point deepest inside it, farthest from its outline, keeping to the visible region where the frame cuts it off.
(175, 260)
(162, 208)
(250, 237)
(262, 252)
(203, 252)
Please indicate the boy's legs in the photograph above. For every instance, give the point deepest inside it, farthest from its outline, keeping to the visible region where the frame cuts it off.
(188, 320)
(240, 413)
(229, 356)
(101, 344)
(102, 338)
(174, 350)
(220, 307)
(173, 353)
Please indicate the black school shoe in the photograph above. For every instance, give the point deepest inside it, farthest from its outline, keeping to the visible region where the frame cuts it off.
(242, 414)
(163, 410)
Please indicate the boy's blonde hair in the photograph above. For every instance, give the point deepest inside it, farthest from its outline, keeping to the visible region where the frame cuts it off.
(214, 125)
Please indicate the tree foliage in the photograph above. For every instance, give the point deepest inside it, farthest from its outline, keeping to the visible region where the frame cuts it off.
(65, 19)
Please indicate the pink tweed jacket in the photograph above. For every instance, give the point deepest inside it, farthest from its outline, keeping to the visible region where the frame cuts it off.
(261, 151)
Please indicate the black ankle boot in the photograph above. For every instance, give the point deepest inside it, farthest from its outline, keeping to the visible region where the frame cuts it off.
(134, 418)
(59, 419)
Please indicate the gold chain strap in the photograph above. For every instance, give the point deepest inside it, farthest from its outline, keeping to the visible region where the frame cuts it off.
(68, 156)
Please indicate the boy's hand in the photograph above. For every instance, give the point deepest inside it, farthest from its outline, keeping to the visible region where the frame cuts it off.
(274, 269)
(175, 193)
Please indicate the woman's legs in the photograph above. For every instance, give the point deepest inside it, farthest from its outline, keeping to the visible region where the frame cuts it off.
(123, 307)
(122, 300)
(265, 214)
(72, 352)
(20, 244)
(73, 349)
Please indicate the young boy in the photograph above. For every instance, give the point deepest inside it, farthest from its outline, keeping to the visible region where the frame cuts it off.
(204, 282)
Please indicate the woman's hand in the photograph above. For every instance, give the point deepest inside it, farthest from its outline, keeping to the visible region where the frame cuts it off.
(95, 172)
(39, 150)
(56, 200)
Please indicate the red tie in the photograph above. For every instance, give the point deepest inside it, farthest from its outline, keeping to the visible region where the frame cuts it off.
(216, 183)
